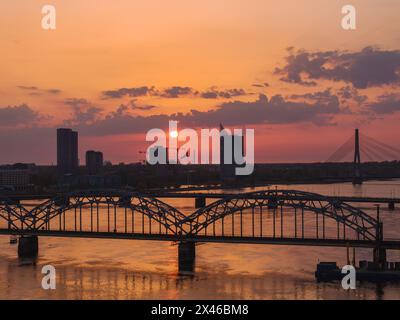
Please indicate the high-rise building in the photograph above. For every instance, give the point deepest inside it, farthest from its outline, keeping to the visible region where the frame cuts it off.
(67, 150)
(228, 167)
(94, 161)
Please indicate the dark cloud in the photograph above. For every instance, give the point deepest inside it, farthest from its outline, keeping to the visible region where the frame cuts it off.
(278, 110)
(319, 96)
(37, 91)
(322, 98)
(143, 108)
(261, 85)
(18, 115)
(213, 93)
(30, 88)
(176, 92)
(173, 92)
(388, 103)
(83, 112)
(76, 102)
(129, 92)
(367, 68)
(350, 93)
(54, 91)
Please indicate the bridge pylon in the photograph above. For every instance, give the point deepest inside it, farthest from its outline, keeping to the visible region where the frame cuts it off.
(357, 175)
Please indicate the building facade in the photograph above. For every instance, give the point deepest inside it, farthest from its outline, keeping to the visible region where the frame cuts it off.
(94, 161)
(67, 150)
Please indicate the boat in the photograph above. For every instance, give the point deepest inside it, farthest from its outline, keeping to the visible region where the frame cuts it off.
(367, 271)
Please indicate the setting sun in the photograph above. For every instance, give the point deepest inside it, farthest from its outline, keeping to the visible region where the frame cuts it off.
(173, 134)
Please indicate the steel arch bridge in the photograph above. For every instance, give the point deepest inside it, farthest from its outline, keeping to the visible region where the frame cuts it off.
(106, 206)
(345, 216)
(263, 217)
(285, 217)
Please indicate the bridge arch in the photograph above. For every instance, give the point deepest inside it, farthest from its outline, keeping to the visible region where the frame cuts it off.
(166, 216)
(344, 215)
(15, 215)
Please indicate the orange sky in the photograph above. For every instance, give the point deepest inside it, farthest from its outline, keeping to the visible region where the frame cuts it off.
(105, 45)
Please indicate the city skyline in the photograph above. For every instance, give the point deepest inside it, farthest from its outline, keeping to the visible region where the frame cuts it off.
(249, 67)
(178, 154)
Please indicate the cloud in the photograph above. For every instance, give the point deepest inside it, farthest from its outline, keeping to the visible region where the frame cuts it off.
(76, 102)
(388, 103)
(260, 85)
(370, 67)
(21, 115)
(128, 92)
(83, 112)
(350, 93)
(173, 92)
(35, 91)
(318, 109)
(176, 92)
(54, 91)
(213, 93)
(30, 88)
(143, 108)
(279, 110)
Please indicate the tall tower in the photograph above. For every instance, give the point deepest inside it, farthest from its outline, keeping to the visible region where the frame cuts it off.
(357, 178)
(67, 150)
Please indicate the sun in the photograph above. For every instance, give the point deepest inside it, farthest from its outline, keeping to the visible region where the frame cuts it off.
(173, 134)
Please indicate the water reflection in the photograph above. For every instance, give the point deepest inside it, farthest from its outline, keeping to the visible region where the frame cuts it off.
(95, 283)
(123, 269)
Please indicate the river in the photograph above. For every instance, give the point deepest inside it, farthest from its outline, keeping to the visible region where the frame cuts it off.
(126, 269)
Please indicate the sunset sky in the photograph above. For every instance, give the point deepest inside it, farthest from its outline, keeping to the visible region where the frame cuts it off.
(114, 69)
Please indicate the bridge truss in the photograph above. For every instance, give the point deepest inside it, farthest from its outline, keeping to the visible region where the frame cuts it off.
(260, 216)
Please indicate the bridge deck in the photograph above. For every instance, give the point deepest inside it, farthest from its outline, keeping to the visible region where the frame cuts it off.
(387, 244)
(216, 195)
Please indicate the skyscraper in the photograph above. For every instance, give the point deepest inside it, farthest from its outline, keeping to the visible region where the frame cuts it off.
(67, 150)
(228, 166)
(94, 161)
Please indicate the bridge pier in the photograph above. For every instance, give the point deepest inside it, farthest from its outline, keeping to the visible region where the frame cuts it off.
(186, 256)
(391, 205)
(28, 247)
(380, 257)
(200, 202)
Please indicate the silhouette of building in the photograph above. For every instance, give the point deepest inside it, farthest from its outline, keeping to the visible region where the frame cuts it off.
(67, 150)
(16, 177)
(94, 161)
(228, 166)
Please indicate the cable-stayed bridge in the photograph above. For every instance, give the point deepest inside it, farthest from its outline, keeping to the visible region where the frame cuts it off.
(363, 148)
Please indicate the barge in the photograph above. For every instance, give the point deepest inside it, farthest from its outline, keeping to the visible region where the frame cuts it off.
(367, 271)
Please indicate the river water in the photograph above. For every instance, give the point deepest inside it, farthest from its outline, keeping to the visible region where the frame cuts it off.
(126, 269)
